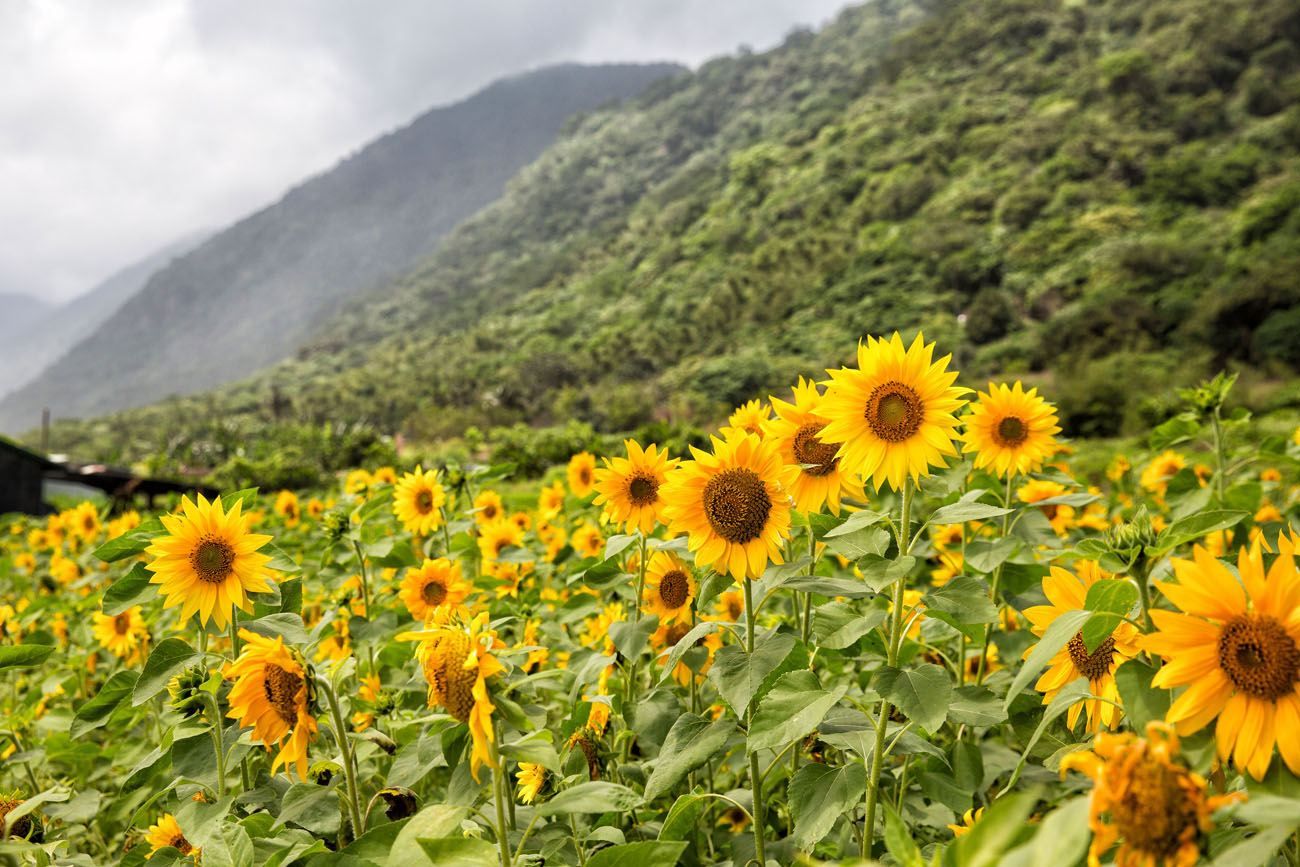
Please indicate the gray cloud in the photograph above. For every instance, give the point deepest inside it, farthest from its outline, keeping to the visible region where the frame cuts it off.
(124, 126)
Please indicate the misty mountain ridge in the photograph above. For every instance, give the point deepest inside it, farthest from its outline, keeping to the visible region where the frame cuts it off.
(17, 312)
(251, 294)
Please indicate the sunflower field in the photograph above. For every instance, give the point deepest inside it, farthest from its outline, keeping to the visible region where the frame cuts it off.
(880, 619)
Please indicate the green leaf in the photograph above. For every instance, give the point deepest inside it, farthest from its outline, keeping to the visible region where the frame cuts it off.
(898, 839)
(129, 544)
(838, 625)
(880, 573)
(965, 599)
(922, 693)
(96, 712)
(460, 852)
(985, 556)
(855, 522)
(167, 658)
(682, 819)
(1110, 601)
(594, 797)
(1255, 851)
(617, 544)
(1057, 635)
(737, 676)
(793, 708)
(1194, 527)
(967, 509)
(819, 795)
(313, 807)
(630, 636)
(283, 625)
(649, 853)
(434, 821)
(845, 587)
(1178, 429)
(687, 642)
(1062, 838)
(691, 742)
(976, 706)
(861, 543)
(1143, 703)
(127, 591)
(994, 834)
(535, 747)
(23, 655)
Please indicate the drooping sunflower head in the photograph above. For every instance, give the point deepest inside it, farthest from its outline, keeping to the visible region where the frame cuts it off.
(167, 832)
(1145, 798)
(894, 416)
(797, 430)
(286, 506)
(209, 561)
(751, 417)
(581, 473)
(488, 507)
(1236, 645)
(121, 634)
(629, 488)
(733, 504)
(436, 582)
(273, 693)
(1010, 430)
(27, 827)
(531, 780)
(496, 537)
(669, 588)
(418, 498)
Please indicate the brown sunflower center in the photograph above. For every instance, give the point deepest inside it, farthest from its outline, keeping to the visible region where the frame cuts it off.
(1091, 665)
(1259, 657)
(212, 560)
(451, 684)
(817, 458)
(281, 688)
(490, 511)
(736, 504)
(642, 489)
(424, 501)
(1156, 814)
(88, 523)
(894, 411)
(584, 476)
(434, 592)
(674, 588)
(122, 623)
(1012, 431)
(180, 844)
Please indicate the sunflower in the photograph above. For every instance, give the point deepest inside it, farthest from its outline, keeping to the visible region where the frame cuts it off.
(272, 693)
(1118, 468)
(488, 507)
(630, 486)
(1060, 516)
(1066, 592)
(669, 588)
(83, 521)
(895, 416)
(358, 482)
(582, 474)
(587, 541)
(730, 606)
(522, 520)
(286, 506)
(1010, 430)
(384, 476)
(1236, 646)
(121, 635)
(1156, 476)
(1145, 798)
(457, 662)
(553, 537)
(209, 562)
(167, 832)
(796, 427)
(418, 500)
(945, 536)
(497, 536)
(550, 502)
(968, 820)
(532, 779)
(25, 827)
(733, 504)
(437, 582)
(751, 417)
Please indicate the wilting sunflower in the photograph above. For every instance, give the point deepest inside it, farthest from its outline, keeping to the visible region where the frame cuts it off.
(488, 507)
(437, 582)
(27, 827)
(669, 588)
(550, 501)
(456, 658)
(1236, 646)
(1145, 798)
(272, 694)
(532, 779)
(1010, 430)
(286, 506)
(733, 504)
(751, 417)
(630, 486)
(1066, 592)
(582, 474)
(167, 832)
(895, 415)
(418, 499)
(497, 536)
(209, 562)
(1163, 467)
(121, 635)
(795, 429)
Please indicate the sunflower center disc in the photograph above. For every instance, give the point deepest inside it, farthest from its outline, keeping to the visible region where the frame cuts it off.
(122, 623)
(1091, 665)
(434, 593)
(642, 489)
(281, 688)
(1012, 431)
(180, 844)
(817, 458)
(1259, 657)
(736, 505)
(1155, 814)
(212, 560)
(674, 588)
(894, 412)
(424, 502)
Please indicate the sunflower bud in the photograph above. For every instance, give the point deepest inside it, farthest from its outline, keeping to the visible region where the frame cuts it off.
(185, 689)
(1137, 533)
(335, 525)
(400, 802)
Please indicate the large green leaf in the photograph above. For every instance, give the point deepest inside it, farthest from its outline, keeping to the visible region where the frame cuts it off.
(459, 852)
(793, 708)
(1194, 527)
(898, 839)
(594, 797)
(1110, 601)
(1056, 636)
(96, 712)
(649, 853)
(819, 795)
(738, 676)
(965, 599)
(922, 693)
(838, 625)
(683, 817)
(691, 742)
(167, 658)
(131, 589)
(974, 705)
(1061, 838)
(1142, 702)
(996, 832)
(967, 509)
(23, 655)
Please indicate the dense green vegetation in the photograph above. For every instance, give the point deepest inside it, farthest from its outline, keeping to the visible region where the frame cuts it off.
(1105, 195)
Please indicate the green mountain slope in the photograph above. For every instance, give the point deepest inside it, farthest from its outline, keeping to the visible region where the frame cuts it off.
(1103, 193)
(252, 293)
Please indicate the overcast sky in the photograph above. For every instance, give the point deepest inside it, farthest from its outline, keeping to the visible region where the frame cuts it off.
(126, 125)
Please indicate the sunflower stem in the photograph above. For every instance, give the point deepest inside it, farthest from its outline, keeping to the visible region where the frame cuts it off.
(349, 769)
(629, 691)
(218, 742)
(365, 577)
(993, 592)
(892, 647)
(1218, 454)
(498, 796)
(755, 778)
(234, 632)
